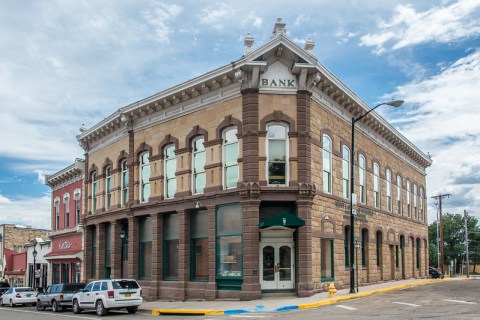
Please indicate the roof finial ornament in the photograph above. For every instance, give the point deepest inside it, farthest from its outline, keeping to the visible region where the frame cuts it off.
(309, 45)
(248, 43)
(279, 28)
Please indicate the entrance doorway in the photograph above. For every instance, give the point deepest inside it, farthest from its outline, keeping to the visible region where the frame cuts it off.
(277, 256)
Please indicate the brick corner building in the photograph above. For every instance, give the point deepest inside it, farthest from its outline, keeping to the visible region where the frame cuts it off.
(236, 183)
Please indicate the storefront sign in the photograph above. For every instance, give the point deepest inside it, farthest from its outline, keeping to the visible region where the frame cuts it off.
(65, 245)
(285, 83)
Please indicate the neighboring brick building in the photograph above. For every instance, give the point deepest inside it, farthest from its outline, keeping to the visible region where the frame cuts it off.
(236, 183)
(66, 256)
(14, 238)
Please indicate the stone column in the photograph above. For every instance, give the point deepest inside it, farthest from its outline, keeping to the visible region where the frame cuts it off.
(87, 262)
(132, 247)
(100, 254)
(211, 292)
(183, 253)
(157, 252)
(116, 250)
(304, 136)
(250, 135)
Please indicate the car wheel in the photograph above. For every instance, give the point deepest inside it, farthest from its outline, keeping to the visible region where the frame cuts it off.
(11, 304)
(100, 309)
(56, 307)
(132, 310)
(40, 307)
(76, 307)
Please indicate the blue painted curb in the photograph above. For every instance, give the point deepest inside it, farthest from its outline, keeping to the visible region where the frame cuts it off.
(287, 308)
(236, 311)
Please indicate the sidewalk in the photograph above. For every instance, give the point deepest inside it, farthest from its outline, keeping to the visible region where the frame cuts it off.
(275, 303)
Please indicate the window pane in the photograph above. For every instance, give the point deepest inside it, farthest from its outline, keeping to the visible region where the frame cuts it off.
(200, 247)
(231, 136)
(171, 168)
(145, 158)
(199, 162)
(146, 192)
(276, 132)
(326, 258)
(229, 219)
(231, 154)
(198, 145)
(326, 161)
(171, 226)
(276, 150)
(171, 187)
(230, 256)
(171, 256)
(200, 181)
(231, 177)
(268, 263)
(199, 224)
(170, 152)
(145, 231)
(146, 174)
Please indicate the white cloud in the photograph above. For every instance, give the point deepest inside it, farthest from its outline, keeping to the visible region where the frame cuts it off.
(252, 20)
(408, 27)
(443, 119)
(161, 17)
(217, 15)
(300, 20)
(33, 212)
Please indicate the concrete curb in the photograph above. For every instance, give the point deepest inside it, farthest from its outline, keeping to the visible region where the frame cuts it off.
(194, 312)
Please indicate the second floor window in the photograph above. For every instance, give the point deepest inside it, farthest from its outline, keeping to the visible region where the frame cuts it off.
(346, 172)
(230, 158)
(66, 202)
(77, 211)
(199, 158)
(399, 195)
(409, 196)
(94, 191)
(361, 179)
(57, 213)
(124, 167)
(277, 154)
(327, 164)
(170, 169)
(388, 177)
(108, 187)
(376, 185)
(422, 217)
(144, 177)
(415, 201)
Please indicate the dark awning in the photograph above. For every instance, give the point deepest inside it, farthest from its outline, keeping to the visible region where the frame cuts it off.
(284, 219)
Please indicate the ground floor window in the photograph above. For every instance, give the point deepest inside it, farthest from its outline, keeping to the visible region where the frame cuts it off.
(65, 272)
(55, 273)
(229, 241)
(170, 249)
(326, 259)
(145, 248)
(199, 245)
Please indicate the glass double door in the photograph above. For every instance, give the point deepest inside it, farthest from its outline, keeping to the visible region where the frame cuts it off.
(277, 266)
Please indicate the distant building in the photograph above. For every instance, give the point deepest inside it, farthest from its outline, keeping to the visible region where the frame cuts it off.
(12, 241)
(37, 275)
(237, 183)
(66, 256)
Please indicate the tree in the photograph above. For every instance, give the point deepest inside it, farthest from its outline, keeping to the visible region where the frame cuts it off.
(454, 239)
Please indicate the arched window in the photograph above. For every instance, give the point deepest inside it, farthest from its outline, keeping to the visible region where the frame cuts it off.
(108, 187)
(327, 163)
(144, 177)
(376, 185)
(94, 191)
(124, 167)
(56, 205)
(409, 196)
(277, 152)
(422, 217)
(364, 247)
(415, 194)
(170, 169)
(399, 195)
(230, 158)
(66, 202)
(361, 179)
(388, 177)
(379, 241)
(77, 196)
(346, 172)
(199, 176)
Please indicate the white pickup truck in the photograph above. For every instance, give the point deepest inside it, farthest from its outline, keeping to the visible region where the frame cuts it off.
(58, 296)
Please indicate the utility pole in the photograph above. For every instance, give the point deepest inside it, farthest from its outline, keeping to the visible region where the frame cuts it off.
(439, 198)
(466, 243)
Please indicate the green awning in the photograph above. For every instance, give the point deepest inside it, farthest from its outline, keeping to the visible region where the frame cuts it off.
(284, 219)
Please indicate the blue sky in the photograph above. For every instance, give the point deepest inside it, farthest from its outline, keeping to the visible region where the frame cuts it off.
(64, 64)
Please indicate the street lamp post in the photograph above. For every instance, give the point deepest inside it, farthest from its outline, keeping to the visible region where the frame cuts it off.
(34, 254)
(396, 104)
(123, 236)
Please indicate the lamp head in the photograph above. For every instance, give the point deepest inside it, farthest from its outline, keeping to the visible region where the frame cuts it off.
(34, 253)
(395, 103)
(122, 234)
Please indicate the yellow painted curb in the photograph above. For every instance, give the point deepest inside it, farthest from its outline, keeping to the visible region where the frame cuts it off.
(367, 293)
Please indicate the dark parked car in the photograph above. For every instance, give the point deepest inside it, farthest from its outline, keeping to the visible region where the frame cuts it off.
(434, 273)
(58, 296)
(4, 286)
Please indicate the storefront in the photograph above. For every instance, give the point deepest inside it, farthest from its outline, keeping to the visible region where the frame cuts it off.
(66, 258)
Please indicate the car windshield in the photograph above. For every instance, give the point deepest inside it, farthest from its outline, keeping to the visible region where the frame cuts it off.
(24, 289)
(125, 284)
(73, 287)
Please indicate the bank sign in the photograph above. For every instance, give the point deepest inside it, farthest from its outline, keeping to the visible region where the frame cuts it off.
(278, 78)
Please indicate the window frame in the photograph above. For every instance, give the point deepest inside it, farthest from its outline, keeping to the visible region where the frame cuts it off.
(362, 179)
(198, 189)
(143, 165)
(108, 187)
(286, 162)
(225, 165)
(66, 202)
(415, 194)
(194, 237)
(346, 192)
(175, 238)
(168, 158)
(94, 191)
(124, 182)
(409, 199)
(327, 152)
(376, 186)
(332, 260)
(399, 195)
(388, 178)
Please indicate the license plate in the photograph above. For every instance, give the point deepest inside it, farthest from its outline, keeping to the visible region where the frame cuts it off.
(128, 295)
(29, 295)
